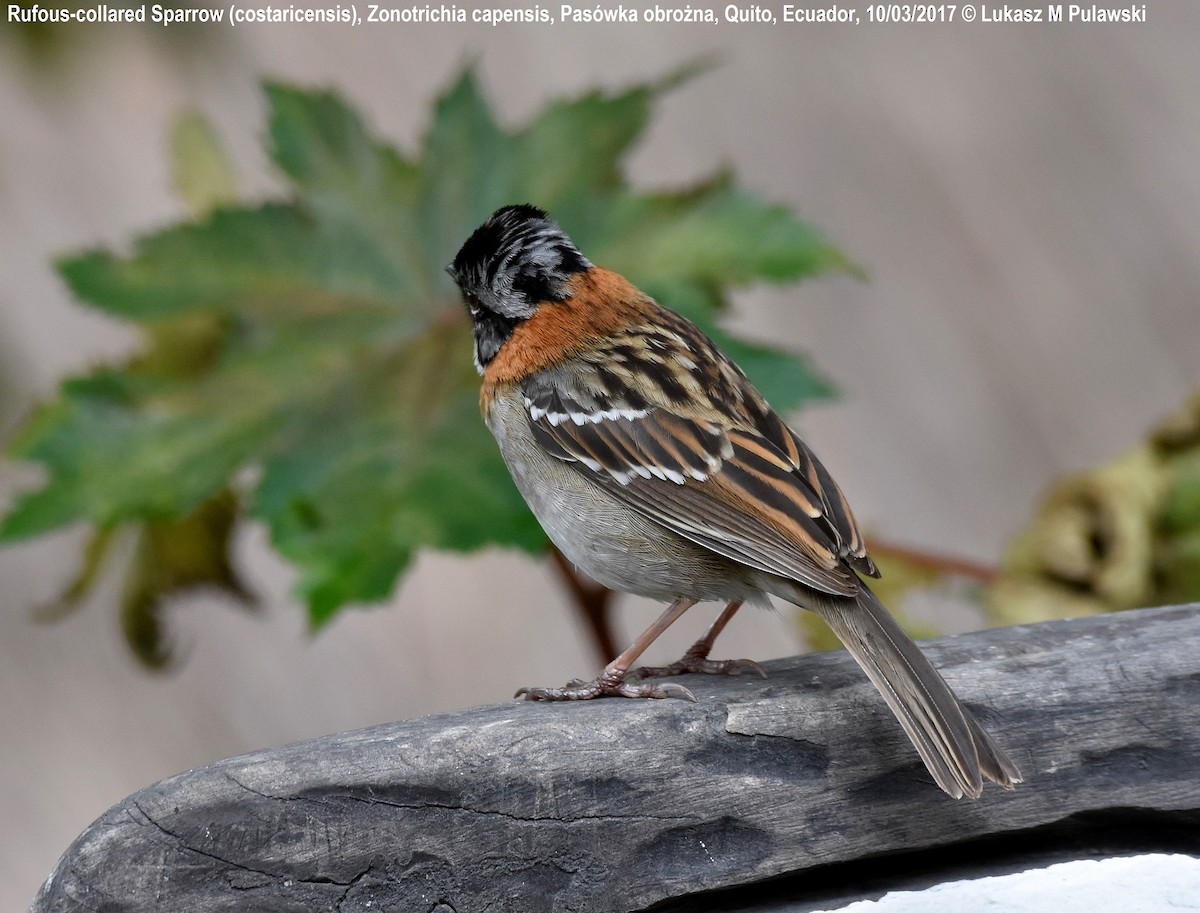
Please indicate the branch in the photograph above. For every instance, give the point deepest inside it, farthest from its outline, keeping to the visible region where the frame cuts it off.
(935, 561)
(617, 805)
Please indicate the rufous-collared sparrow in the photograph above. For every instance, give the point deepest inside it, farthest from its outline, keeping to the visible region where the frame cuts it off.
(658, 469)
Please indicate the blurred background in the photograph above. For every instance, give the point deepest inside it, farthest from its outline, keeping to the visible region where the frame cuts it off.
(1025, 200)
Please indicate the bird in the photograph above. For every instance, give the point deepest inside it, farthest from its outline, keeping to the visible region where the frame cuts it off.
(658, 469)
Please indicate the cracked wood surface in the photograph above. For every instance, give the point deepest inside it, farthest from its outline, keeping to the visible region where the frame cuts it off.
(615, 805)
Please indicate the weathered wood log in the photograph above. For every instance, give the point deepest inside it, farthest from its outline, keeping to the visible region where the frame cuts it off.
(617, 805)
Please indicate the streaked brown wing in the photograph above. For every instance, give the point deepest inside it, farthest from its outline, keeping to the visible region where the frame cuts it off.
(806, 464)
(730, 490)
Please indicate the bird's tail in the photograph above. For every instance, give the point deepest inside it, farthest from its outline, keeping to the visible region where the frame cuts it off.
(949, 739)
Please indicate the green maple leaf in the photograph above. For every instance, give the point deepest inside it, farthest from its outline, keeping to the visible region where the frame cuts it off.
(327, 375)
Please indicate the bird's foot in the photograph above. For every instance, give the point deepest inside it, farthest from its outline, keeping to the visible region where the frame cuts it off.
(606, 683)
(696, 660)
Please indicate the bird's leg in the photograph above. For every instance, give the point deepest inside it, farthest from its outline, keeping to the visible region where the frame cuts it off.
(696, 658)
(612, 679)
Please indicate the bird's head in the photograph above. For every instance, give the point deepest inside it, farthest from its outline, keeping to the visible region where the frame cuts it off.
(516, 261)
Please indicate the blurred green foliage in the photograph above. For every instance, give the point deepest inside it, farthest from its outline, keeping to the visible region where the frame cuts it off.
(307, 361)
(1122, 535)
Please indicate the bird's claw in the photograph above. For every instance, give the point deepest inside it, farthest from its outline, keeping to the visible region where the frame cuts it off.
(577, 690)
(700, 664)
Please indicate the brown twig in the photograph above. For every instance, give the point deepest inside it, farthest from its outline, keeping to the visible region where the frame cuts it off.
(592, 602)
(933, 561)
